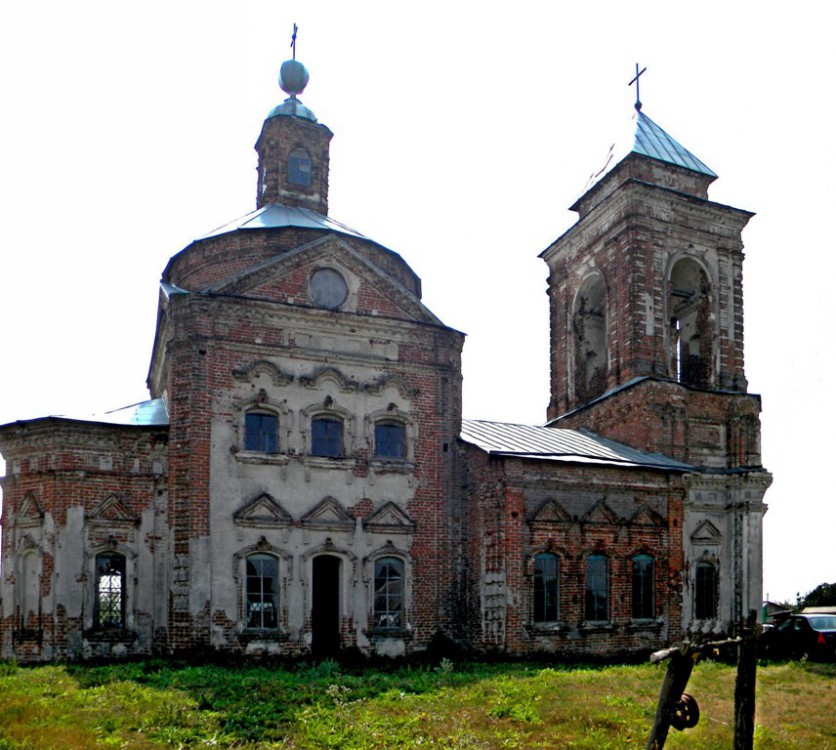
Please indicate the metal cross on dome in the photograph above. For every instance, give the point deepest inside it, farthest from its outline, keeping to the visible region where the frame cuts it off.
(293, 40)
(635, 80)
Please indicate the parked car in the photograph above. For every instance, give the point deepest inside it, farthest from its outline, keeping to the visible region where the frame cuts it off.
(808, 635)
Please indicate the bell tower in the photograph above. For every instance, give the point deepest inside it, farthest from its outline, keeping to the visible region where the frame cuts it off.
(646, 303)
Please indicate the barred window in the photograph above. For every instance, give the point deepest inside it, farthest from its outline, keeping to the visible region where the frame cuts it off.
(597, 589)
(110, 590)
(262, 598)
(644, 607)
(389, 440)
(327, 437)
(546, 588)
(388, 593)
(260, 432)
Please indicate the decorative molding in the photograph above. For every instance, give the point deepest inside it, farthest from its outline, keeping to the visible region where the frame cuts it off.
(328, 515)
(389, 519)
(601, 513)
(550, 512)
(263, 367)
(707, 534)
(112, 512)
(375, 387)
(30, 512)
(314, 380)
(263, 511)
(645, 516)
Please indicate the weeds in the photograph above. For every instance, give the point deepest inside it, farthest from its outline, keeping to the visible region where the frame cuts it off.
(477, 706)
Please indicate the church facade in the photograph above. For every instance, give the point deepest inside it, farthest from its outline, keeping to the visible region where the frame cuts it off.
(301, 480)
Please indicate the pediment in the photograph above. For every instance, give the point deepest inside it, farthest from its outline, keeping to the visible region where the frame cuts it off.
(284, 279)
(390, 519)
(328, 515)
(601, 513)
(112, 512)
(30, 511)
(706, 533)
(314, 380)
(376, 387)
(254, 370)
(551, 512)
(264, 510)
(644, 516)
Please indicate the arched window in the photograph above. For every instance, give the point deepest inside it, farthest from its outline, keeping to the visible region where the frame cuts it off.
(705, 591)
(597, 602)
(546, 587)
(261, 432)
(299, 167)
(589, 332)
(31, 585)
(389, 440)
(327, 437)
(262, 597)
(388, 593)
(109, 609)
(691, 330)
(644, 606)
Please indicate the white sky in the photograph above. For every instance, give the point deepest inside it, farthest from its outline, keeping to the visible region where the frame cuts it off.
(463, 131)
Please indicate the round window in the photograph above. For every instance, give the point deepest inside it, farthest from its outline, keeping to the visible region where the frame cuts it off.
(328, 288)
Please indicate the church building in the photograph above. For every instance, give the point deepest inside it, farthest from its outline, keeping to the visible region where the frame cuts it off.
(301, 480)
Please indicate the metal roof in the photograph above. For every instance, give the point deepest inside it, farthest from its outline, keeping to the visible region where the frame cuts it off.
(556, 444)
(279, 216)
(151, 413)
(651, 140)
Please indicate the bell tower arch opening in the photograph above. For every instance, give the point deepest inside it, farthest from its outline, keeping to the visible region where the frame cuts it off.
(691, 324)
(589, 354)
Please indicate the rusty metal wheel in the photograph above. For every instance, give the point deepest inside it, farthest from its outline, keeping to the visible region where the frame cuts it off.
(686, 713)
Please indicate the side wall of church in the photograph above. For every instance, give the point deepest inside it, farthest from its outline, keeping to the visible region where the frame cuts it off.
(75, 492)
(522, 512)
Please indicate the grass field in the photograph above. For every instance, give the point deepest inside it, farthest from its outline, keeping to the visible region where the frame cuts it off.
(158, 704)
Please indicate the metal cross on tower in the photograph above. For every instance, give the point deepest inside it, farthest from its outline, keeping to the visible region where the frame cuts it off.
(635, 80)
(293, 40)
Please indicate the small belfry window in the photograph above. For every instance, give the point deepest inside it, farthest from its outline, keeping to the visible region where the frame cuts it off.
(262, 601)
(597, 589)
(110, 590)
(299, 167)
(705, 591)
(643, 599)
(546, 569)
(327, 437)
(389, 440)
(388, 593)
(260, 432)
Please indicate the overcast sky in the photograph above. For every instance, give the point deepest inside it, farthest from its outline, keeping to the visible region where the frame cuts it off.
(462, 133)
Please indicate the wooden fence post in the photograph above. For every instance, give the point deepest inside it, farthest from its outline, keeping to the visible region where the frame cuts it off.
(744, 688)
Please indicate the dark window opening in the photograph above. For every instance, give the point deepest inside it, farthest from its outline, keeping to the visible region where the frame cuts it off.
(705, 591)
(597, 589)
(260, 432)
(299, 168)
(546, 588)
(389, 440)
(110, 590)
(327, 437)
(262, 592)
(643, 588)
(691, 328)
(388, 593)
(589, 328)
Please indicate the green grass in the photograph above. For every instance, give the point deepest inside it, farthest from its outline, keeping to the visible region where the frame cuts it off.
(158, 704)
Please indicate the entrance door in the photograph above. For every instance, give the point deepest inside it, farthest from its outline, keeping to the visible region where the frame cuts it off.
(325, 611)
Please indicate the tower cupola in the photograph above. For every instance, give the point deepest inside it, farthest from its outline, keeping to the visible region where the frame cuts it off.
(293, 148)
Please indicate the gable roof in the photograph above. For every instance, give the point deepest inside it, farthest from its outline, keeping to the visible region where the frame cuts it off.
(555, 444)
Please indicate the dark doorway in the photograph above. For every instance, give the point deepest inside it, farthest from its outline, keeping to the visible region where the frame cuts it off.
(325, 610)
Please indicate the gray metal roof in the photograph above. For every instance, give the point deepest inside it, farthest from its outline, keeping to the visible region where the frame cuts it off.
(555, 444)
(651, 140)
(279, 216)
(151, 413)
